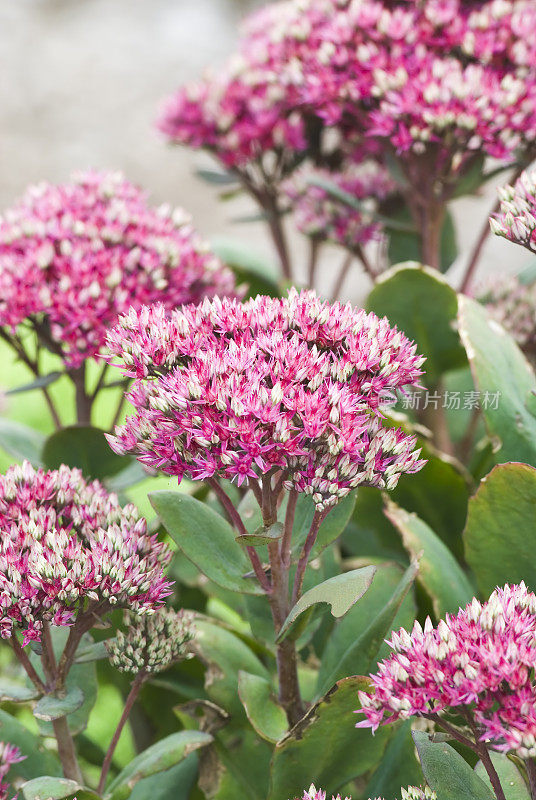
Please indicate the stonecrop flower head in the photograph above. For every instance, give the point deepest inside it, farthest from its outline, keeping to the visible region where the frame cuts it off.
(73, 257)
(480, 661)
(68, 548)
(322, 216)
(237, 390)
(318, 794)
(454, 73)
(517, 218)
(151, 643)
(9, 755)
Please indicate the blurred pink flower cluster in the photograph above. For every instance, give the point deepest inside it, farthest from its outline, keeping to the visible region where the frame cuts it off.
(73, 257)
(411, 793)
(517, 218)
(235, 390)
(480, 662)
(9, 755)
(69, 547)
(322, 216)
(451, 72)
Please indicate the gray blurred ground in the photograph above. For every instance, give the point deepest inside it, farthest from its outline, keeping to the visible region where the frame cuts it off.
(80, 81)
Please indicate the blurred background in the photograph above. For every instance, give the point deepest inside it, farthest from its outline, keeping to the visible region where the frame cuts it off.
(80, 83)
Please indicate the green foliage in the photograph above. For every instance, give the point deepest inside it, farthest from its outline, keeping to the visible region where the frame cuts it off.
(421, 304)
(442, 577)
(205, 538)
(405, 245)
(446, 771)
(512, 781)
(498, 365)
(159, 757)
(322, 748)
(84, 447)
(499, 535)
(340, 592)
(263, 711)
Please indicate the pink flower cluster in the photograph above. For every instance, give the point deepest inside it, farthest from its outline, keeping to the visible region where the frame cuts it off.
(9, 755)
(517, 218)
(481, 661)
(318, 794)
(455, 72)
(73, 257)
(67, 546)
(234, 390)
(322, 216)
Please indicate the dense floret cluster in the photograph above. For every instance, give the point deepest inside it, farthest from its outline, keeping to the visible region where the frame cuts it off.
(151, 643)
(480, 661)
(67, 546)
(517, 218)
(73, 257)
(9, 755)
(236, 390)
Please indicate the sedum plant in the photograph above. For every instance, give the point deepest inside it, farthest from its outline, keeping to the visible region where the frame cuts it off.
(376, 463)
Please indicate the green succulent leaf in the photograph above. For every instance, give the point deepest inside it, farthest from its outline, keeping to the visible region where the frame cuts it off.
(159, 757)
(340, 592)
(205, 538)
(13, 692)
(262, 535)
(512, 781)
(265, 714)
(499, 366)
(447, 773)
(324, 749)
(50, 788)
(360, 654)
(442, 577)
(84, 447)
(38, 760)
(421, 304)
(500, 530)
(53, 706)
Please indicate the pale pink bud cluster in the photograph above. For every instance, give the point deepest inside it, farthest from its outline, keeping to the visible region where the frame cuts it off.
(322, 216)
(73, 257)
(517, 218)
(236, 390)
(481, 660)
(452, 72)
(9, 755)
(68, 546)
(151, 643)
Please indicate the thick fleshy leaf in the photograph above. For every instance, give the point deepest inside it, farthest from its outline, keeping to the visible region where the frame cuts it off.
(421, 304)
(339, 592)
(512, 781)
(262, 535)
(265, 714)
(206, 538)
(369, 534)
(94, 651)
(325, 747)
(398, 767)
(38, 760)
(39, 383)
(362, 653)
(501, 528)
(21, 442)
(505, 380)
(49, 788)
(236, 768)
(447, 773)
(442, 577)
(53, 706)
(81, 677)
(14, 692)
(159, 757)
(84, 447)
(173, 784)
(438, 494)
(224, 655)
